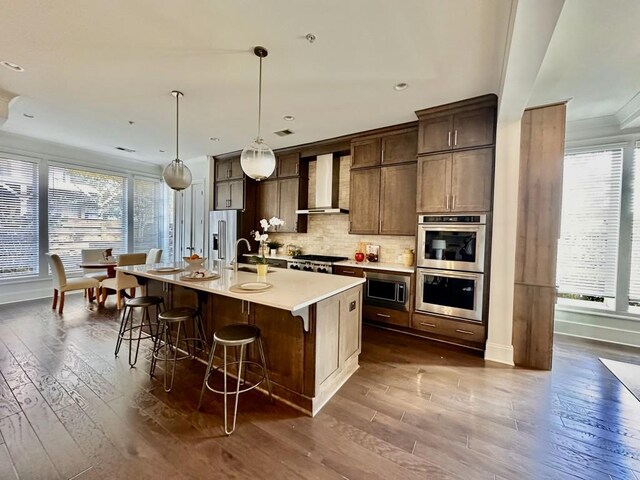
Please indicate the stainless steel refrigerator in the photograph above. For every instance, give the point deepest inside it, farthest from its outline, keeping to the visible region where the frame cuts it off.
(223, 233)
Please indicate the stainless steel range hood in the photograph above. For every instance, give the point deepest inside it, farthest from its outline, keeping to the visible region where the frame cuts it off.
(327, 181)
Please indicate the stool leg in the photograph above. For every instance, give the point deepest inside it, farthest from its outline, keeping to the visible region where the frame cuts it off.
(156, 348)
(175, 360)
(123, 326)
(264, 367)
(145, 314)
(235, 408)
(202, 334)
(206, 375)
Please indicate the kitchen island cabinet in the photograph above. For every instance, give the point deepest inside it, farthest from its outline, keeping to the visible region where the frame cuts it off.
(310, 323)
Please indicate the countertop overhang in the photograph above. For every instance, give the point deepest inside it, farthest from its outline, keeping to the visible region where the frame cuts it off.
(291, 290)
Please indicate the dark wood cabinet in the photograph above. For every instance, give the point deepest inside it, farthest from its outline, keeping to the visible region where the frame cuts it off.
(455, 182)
(288, 165)
(461, 125)
(398, 200)
(373, 313)
(228, 169)
(399, 147)
(292, 196)
(364, 201)
(348, 271)
(267, 199)
(229, 195)
(365, 153)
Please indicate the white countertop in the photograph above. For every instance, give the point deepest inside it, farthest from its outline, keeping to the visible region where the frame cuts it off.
(292, 290)
(389, 267)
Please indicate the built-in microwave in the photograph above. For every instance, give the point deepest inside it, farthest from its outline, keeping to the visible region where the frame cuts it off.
(387, 290)
(452, 242)
(446, 292)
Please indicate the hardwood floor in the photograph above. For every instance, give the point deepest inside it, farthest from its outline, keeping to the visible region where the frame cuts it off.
(69, 409)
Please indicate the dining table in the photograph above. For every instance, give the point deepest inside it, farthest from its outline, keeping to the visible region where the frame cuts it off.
(109, 266)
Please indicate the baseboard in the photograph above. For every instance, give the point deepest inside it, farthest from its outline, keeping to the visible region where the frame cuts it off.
(601, 333)
(495, 352)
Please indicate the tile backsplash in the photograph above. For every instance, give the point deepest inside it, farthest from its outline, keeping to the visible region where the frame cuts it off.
(329, 233)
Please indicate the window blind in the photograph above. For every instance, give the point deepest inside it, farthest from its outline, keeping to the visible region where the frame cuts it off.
(86, 210)
(588, 247)
(147, 214)
(18, 218)
(634, 285)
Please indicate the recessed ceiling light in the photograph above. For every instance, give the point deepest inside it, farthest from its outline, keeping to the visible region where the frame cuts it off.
(28, 115)
(11, 66)
(289, 118)
(310, 37)
(162, 151)
(400, 86)
(214, 139)
(131, 122)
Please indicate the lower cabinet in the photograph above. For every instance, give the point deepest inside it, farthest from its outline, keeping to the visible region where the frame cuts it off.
(448, 329)
(389, 316)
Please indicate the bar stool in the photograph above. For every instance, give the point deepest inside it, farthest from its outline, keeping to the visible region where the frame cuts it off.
(235, 335)
(164, 340)
(127, 325)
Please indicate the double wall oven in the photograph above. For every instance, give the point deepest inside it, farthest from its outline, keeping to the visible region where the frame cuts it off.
(450, 261)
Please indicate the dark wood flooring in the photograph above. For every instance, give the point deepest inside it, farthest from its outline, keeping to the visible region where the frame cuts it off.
(69, 409)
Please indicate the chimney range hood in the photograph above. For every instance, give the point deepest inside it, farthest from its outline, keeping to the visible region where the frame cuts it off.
(327, 180)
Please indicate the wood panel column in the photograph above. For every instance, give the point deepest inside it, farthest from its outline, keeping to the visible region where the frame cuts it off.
(538, 230)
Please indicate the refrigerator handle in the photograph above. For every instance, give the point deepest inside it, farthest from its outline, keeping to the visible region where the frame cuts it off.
(222, 230)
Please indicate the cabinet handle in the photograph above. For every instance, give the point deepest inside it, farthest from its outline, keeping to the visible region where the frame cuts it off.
(449, 139)
(383, 315)
(229, 173)
(432, 325)
(448, 196)
(348, 271)
(380, 225)
(455, 138)
(382, 159)
(466, 332)
(453, 202)
(297, 168)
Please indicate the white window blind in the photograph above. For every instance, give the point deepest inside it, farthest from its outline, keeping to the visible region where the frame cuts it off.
(86, 210)
(147, 214)
(18, 218)
(588, 247)
(634, 285)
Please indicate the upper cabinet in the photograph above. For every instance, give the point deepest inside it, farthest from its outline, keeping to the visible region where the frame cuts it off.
(229, 184)
(455, 182)
(466, 124)
(288, 165)
(388, 149)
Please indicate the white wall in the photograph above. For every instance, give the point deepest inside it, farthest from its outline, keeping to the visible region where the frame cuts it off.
(18, 146)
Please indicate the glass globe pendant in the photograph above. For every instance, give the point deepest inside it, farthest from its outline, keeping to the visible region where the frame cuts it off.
(257, 159)
(177, 175)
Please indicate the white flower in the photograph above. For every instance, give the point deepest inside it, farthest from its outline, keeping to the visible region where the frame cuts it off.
(275, 221)
(264, 237)
(264, 224)
(256, 235)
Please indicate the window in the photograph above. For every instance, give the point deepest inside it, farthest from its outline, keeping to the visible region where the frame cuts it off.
(588, 247)
(18, 218)
(147, 214)
(87, 209)
(634, 284)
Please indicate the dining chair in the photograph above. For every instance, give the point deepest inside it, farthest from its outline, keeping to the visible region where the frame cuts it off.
(154, 256)
(62, 284)
(93, 255)
(122, 281)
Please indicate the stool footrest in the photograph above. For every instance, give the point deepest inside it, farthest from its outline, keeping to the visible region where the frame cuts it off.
(217, 369)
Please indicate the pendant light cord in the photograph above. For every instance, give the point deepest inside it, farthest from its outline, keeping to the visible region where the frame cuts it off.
(177, 124)
(260, 98)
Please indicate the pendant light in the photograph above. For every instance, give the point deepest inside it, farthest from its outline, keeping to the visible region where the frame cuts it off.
(257, 160)
(177, 175)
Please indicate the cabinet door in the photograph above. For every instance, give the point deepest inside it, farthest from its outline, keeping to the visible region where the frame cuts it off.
(434, 183)
(267, 200)
(222, 170)
(474, 128)
(365, 153)
(434, 134)
(398, 200)
(364, 202)
(223, 196)
(236, 194)
(399, 147)
(235, 168)
(472, 180)
(288, 165)
(288, 195)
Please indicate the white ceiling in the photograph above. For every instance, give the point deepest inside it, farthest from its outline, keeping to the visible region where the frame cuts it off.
(593, 58)
(91, 66)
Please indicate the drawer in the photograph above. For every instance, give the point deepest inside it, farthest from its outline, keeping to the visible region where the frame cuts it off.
(472, 332)
(348, 271)
(386, 315)
(426, 323)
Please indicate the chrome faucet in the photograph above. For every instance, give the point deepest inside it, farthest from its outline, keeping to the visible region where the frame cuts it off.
(235, 257)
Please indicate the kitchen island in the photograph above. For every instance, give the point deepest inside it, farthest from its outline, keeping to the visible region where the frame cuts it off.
(310, 324)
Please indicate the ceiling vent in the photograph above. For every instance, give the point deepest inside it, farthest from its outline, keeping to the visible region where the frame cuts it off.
(123, 149)
(284, 133)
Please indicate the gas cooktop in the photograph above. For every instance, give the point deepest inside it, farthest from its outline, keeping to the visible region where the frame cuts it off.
(319, 258)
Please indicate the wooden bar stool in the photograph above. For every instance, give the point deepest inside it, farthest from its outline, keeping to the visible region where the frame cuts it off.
(235, 335)
(127, 324)
(165, 340)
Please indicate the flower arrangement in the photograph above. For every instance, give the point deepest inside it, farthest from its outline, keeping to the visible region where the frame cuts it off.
(263, 237)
